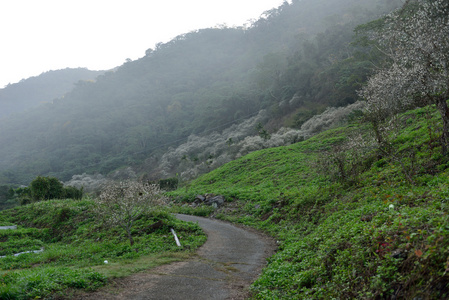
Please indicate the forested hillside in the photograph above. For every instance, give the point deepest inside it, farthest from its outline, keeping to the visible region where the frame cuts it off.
(293, 62)
(31, 92)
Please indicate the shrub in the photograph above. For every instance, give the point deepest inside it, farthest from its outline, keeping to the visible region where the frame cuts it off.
(45, 188)
(122, 203)
(169, 184)
(71, 192)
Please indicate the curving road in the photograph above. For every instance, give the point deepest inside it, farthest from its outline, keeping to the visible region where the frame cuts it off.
(226, 265)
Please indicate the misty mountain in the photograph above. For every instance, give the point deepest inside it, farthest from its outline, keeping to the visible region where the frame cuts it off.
(31, 92)
(293, 62)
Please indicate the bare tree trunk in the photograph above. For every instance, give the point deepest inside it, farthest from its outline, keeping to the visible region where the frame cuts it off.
(130, 237)
(444, 111)
(377, 133)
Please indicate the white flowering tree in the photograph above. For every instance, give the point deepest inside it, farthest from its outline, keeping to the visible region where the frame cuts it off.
(416, 40)
(121, 203)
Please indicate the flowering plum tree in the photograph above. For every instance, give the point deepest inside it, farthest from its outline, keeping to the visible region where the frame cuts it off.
(121, 203)
(415, 39)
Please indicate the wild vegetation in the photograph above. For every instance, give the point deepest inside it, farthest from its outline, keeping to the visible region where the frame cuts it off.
(367, 232)
(79, 251)
(360, 211)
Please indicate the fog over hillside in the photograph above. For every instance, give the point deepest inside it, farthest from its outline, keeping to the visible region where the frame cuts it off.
(292, 63)
(33, 91)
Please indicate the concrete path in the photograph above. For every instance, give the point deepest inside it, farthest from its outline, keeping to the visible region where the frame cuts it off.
(229, 261)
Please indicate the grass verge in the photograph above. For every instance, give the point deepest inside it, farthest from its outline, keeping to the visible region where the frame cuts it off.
(76, 246)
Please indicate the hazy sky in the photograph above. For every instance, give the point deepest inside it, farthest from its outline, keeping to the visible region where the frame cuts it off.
(41, 35)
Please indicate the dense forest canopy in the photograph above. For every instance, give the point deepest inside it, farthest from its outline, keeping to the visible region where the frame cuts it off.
(293, 62)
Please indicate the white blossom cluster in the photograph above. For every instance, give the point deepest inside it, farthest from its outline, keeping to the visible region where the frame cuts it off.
(203, 154)
(418, 45)
(121, 202)
(89, 183)
(123, 173)
(331, 117)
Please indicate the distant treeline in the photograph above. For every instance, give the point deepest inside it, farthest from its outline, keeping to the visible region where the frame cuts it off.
(41, 188)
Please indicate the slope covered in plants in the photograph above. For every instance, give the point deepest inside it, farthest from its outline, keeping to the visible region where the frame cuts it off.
(79, 251)
(352, 221)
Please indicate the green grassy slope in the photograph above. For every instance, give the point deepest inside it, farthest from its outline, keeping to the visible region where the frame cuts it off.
(381, 235)
(76, 245)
